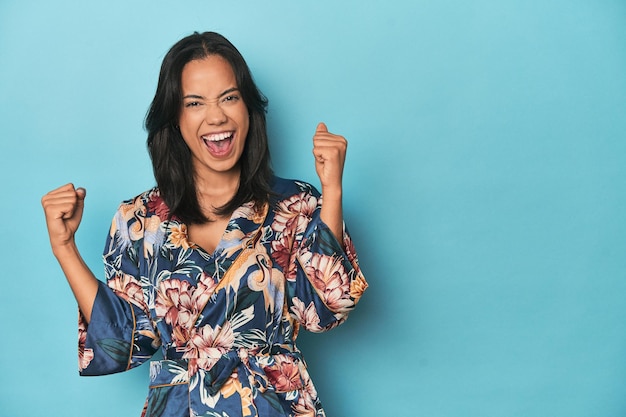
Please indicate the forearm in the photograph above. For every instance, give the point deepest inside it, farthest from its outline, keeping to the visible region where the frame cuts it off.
(330, 154)
(82, 281)
(332, 212)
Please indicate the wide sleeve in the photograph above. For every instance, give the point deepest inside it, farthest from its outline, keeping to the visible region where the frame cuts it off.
(120, 334)
(324, 280)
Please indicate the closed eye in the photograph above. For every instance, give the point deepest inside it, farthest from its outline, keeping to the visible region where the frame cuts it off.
(231, 98)
(192, 104)
(192, 100)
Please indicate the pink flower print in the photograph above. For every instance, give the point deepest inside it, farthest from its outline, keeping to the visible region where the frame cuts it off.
(245, 211)
(175, 303)
(348, 246)
(205, 290)
(128, 288)
(304, 407)
(207, 344)
(281, 254)
(289, 211)
(307, 317)
(284, 374)
(329, 276)
(157, 206)
(85, 356)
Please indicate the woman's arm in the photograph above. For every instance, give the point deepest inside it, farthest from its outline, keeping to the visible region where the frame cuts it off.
(63, 208)
(330, 155)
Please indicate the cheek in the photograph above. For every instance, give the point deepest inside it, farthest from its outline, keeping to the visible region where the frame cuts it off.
(246, 126)
(244, 121)
(188, 127)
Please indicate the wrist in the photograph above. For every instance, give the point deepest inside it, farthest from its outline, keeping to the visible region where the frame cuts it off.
(65, 250)
(331, 193)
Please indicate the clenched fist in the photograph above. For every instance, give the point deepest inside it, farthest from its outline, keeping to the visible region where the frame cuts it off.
(330, 155)
(63, 208)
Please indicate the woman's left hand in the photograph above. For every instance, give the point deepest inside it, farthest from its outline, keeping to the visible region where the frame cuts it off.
(330, 155)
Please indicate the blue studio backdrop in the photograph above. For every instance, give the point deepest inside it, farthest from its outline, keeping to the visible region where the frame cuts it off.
(484, 190)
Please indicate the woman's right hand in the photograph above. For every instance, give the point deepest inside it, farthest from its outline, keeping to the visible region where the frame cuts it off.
(63, 208)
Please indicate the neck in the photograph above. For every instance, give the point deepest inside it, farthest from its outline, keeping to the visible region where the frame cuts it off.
(216, 190)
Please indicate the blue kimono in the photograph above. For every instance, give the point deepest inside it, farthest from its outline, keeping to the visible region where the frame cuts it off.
(226, 321)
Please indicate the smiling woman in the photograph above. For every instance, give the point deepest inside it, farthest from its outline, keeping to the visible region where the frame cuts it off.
(221, 263)
(214, 129)
(196, 72)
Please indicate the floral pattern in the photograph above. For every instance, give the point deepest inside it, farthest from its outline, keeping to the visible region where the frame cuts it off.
(226, 322)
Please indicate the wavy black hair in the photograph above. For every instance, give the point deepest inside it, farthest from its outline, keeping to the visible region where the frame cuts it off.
(171, 157)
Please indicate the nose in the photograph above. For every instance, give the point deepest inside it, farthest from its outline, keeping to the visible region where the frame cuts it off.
(215, 114)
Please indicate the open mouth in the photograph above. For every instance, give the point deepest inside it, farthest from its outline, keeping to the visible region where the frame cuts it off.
(219, 143)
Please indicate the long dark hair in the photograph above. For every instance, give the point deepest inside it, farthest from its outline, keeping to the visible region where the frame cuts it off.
(171, 158)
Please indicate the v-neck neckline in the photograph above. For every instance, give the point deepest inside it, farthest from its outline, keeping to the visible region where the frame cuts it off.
(193, 245)
(237, 219)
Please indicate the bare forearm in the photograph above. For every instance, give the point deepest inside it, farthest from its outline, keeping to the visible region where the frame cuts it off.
(82, 281)
(332, 213)
(330, 154)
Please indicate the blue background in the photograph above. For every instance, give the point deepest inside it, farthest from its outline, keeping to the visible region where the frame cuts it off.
(484, 189)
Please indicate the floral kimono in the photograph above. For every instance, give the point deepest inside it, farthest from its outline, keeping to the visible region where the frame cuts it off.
(226, 321)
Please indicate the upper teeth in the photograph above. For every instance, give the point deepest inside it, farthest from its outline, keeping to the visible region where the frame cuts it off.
(217, 136)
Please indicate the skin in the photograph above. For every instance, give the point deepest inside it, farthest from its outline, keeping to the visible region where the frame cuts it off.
(210, 105)
(330, 156)
(213, 105)
(63, 208)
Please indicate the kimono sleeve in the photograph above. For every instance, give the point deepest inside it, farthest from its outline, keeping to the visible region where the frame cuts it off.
(324, 282)
(120, 334)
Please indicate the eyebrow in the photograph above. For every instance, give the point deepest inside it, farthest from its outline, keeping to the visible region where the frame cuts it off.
(195, 96)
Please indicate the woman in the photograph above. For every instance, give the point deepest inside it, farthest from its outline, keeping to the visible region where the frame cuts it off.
(222, 262)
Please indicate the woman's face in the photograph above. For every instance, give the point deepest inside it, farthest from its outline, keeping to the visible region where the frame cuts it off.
(213, 119)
